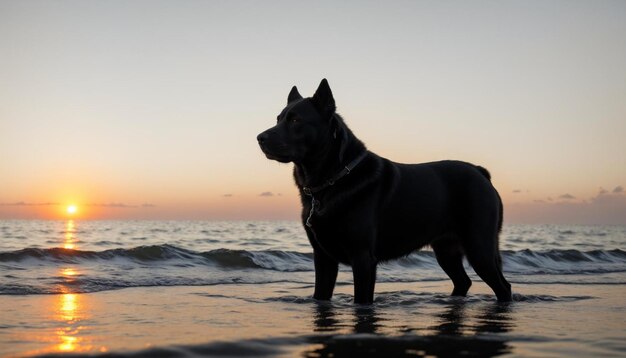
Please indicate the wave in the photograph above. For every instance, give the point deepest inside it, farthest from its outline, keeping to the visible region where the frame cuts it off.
(524, 261)
(44, 271)
(155, 254)
(564, 261)
(99, 284)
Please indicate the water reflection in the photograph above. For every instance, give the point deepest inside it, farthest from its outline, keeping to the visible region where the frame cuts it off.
(69, 239)
(69, 273)
(67, 308)
(496, 318)
(70, 309)
(452, 320)
(459, 329)
(325, 318)
(366, 320)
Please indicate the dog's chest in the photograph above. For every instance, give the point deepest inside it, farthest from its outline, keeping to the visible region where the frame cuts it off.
(331, 238)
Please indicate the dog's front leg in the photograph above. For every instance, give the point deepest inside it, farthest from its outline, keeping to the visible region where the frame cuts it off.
(364, 273)
(325, 275)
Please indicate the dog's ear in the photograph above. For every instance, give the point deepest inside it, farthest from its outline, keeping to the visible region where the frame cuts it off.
(293, 95)
(323, 99)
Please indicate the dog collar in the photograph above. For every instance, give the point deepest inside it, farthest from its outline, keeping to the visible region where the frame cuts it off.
(309, 191)
(330, 182)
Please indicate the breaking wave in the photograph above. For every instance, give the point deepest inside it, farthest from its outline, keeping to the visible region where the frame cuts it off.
(525, 261)
(40, 271)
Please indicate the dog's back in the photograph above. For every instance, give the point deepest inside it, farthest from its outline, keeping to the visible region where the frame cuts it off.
(420, 203)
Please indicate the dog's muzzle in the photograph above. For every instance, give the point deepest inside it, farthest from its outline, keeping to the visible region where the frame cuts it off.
(266, 147)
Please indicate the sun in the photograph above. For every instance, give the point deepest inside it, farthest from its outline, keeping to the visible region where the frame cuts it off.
(71, 209)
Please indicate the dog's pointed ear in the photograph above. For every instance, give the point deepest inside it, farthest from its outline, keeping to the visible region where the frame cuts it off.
(323, 98)
(293, 95)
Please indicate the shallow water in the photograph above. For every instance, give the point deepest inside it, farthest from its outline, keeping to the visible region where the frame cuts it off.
(189, 288)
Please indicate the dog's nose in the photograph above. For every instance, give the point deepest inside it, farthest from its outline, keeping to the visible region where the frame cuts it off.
(261, 137)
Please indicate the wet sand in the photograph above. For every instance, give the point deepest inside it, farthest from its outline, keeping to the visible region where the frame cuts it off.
(280, 319)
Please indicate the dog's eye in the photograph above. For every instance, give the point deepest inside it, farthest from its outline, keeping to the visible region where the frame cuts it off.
(293, 119)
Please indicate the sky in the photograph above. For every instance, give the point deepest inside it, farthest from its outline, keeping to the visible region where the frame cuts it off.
(150, 109)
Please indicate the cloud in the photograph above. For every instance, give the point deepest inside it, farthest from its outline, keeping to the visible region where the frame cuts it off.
(100, 205)
(266, 193)
(618, 189)
(113, 205)
(121, 205)
(602, 191)
(21, 203)
(516, 191)
(600, 210)
(227, 195)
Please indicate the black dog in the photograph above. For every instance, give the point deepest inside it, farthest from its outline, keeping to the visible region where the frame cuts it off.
(360, 209)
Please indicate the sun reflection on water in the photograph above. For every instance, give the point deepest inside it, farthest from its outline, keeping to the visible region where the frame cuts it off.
(68, 272)
(70, 240)
(67, 306)
(69, 342)
(70, 309)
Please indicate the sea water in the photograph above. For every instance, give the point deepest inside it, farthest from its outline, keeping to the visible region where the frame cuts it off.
(36, 256)
(261, 262)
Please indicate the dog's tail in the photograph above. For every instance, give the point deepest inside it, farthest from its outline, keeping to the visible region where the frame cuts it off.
(501, 218)
(484, 172)
(487, 175)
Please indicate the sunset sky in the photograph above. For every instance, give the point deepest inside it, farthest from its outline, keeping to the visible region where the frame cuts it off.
(150, 109)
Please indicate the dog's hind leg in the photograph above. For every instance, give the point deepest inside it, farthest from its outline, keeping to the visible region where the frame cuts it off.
(450, 257)
(485, 259)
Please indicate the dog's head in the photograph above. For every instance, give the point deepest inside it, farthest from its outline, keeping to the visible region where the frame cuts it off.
(304, 128)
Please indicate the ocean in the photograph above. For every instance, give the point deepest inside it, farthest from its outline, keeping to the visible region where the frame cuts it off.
(202, 288)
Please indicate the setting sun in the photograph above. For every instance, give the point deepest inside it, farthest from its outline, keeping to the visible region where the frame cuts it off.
(71, 209)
